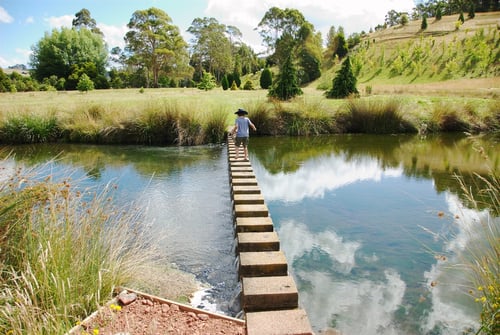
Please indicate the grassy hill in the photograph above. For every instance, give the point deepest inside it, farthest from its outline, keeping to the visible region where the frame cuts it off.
(445, 57)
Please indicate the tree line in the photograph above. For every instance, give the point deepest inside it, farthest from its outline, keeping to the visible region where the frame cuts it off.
(156, 55)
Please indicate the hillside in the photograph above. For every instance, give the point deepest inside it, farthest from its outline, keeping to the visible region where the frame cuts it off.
(439, 58)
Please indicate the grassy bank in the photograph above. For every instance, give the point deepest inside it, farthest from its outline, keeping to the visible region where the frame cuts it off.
(64, 249)
(191, 116)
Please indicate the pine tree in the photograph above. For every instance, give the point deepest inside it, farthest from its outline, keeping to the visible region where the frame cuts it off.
(344, 83)
(225, 83)
(423, 26)
(266, 78)
(286, 86)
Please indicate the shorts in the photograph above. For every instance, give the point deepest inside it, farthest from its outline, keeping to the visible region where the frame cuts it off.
(241, 140)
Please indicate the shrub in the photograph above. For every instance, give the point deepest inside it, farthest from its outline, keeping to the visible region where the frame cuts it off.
(266, 78)
(248, 85)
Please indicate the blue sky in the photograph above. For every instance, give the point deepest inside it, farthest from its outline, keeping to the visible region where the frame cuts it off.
(24, 22)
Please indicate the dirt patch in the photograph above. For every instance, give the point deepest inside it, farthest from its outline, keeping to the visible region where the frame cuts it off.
(144, 314)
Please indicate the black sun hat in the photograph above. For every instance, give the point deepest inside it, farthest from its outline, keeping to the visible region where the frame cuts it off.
(241, 112)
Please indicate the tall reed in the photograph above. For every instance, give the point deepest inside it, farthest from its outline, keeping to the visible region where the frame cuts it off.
(376, 116)
(482, 256)
(63, 250)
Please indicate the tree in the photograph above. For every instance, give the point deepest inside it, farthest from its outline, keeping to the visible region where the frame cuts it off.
(404, 19)
(286, 86)
(85, 84)
(207, 82)
(83, 19)
(212, 50)
(281, 28)
(155, 44)
(62, 52)
(266, 78)
(423, 25)
(344, 83)
(225, 83)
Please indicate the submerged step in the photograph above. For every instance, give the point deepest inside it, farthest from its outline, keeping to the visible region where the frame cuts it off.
(285, 322)
(263, 263)
(269, 293)
(258, 224)
(251, 210)
(265, 241)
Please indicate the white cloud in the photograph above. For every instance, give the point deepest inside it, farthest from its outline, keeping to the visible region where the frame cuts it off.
(317, 176)
(113, 35)
(30, 20)
(5, 16)
(60, 21)
(353, 16)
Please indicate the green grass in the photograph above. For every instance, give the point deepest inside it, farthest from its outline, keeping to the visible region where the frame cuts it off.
(193, 117)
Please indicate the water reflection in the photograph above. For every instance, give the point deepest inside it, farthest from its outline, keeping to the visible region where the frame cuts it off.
(359, 220)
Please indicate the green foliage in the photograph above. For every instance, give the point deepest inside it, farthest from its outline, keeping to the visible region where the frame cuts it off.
(423, 26)
(266, 78)
(69, 51)
(156, 43)
(234, 86)
(225, 83)
(30, 129)
(248, 85)
(344, 83)
(207, 82)
(85, 84)
(286, 86)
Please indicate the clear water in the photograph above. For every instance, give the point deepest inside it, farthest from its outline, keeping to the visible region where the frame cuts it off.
(360, 220)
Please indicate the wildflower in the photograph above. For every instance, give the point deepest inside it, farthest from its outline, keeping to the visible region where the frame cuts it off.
(480, 288)
(95, 331)
(115, 307)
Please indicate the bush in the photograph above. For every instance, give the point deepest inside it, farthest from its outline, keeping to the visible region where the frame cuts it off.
(248, 85)
(266, 78)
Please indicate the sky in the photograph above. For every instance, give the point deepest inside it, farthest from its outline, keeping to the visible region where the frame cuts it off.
(24, 22)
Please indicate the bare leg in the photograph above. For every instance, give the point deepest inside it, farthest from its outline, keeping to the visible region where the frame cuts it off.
(245, 151)
(237, 152)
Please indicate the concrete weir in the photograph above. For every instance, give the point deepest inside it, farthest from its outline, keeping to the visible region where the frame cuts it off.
(270, 299)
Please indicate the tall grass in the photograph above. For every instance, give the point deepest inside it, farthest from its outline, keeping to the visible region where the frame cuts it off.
(376, 116)
(482, 258)
(63, 250)
(30, 129)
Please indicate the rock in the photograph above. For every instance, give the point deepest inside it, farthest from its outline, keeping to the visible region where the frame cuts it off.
(126, 298)
(165, 308)
(203, 317)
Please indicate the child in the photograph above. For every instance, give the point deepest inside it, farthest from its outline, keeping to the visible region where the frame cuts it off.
(241, 129)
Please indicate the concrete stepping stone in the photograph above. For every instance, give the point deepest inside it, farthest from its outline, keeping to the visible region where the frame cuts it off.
(258, 224)
(269, 293)
(263, 263)
(286, 322)
(265, 241)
